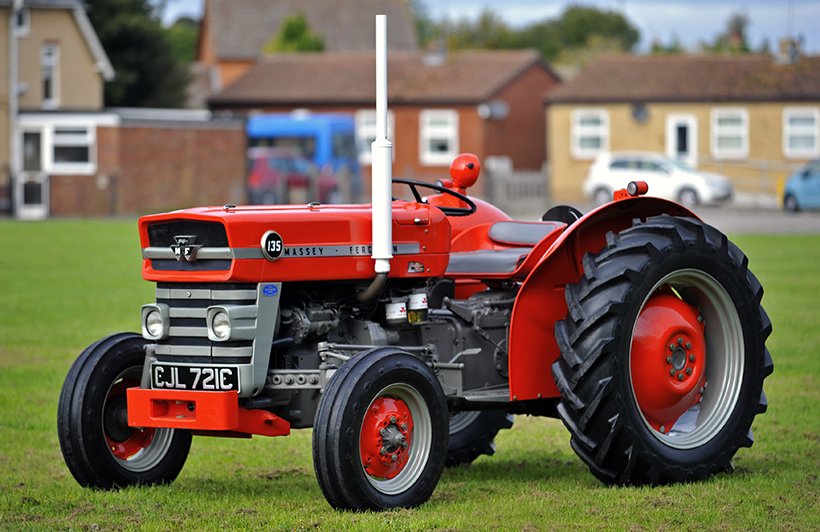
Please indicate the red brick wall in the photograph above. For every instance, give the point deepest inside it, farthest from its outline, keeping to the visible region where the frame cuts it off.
(144, 168)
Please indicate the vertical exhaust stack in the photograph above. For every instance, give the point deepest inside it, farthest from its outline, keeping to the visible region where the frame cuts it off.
(382, 165)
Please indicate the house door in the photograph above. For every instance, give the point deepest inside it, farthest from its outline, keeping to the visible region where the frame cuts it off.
(682, 139)
(31, 187)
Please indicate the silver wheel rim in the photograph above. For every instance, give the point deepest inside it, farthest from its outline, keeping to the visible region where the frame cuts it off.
(602, 197)
(688, 198)
(420, 443)
(725, 360)
(461, 420)
(148, 457)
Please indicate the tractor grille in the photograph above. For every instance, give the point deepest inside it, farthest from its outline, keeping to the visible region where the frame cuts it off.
(188, 335)
(213, 255)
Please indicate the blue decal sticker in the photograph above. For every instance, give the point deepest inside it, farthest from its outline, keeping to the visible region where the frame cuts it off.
(270, 290)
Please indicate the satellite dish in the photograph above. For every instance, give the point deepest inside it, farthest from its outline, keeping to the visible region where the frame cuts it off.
(640, 112)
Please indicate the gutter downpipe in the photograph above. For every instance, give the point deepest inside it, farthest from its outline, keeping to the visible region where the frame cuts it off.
(14, 74)
(382, 172)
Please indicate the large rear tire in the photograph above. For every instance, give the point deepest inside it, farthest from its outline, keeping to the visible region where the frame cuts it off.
(663, 354)
(380, 434)
(473, 434)
(98, 446)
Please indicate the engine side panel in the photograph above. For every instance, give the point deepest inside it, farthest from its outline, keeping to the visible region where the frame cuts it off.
(540, 303)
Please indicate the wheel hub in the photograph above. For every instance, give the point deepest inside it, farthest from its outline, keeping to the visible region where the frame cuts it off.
(668, 359)
(385, 439)
(123, 440)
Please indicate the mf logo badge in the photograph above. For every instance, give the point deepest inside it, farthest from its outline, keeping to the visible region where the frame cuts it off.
(272, 245)
(185, 249)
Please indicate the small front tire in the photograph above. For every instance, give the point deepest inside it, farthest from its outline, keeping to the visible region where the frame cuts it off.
(380, 434)
(99, 448)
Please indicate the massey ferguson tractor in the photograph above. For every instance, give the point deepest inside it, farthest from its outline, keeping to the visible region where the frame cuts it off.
(408, 333)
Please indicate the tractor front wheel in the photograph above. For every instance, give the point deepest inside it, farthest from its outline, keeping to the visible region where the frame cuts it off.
(663, 354)
(473, 434)
(380, 434)
(99, 447)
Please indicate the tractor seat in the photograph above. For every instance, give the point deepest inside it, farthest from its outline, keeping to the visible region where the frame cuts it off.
(524, 236)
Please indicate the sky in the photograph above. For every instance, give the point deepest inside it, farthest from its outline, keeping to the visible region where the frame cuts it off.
(691, 21)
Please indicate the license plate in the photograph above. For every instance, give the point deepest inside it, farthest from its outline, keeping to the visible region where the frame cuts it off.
(205, 378)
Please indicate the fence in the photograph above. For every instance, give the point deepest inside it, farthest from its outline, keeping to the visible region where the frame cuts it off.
(757, 182)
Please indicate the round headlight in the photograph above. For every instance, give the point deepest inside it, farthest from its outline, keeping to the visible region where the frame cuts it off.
(153, 323)
(221, 325)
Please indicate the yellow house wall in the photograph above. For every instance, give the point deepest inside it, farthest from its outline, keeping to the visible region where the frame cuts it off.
(80, 85)
(759, 172)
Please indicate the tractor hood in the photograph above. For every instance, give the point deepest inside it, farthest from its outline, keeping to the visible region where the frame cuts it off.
(289, 243)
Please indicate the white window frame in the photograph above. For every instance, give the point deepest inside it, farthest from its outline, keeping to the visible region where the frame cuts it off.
(428, 131)
(742, 131)
(366, 133)
(48, 124)
(580, 131)
(789, 130)
(50, 64)
(22, 30)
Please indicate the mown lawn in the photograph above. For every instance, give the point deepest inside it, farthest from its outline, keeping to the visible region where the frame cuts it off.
(64, 284)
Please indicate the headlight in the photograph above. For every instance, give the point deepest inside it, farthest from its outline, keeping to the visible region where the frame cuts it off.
(153, 323)
(221, 325)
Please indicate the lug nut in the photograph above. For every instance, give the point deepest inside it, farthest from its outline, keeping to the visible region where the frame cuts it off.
(668, 360)
(671, 347)
(688, 345)
(672, 372)
(691, 358)
(404, 426)
(688, 371)
(383, 450)
(404, 445)
(702, 389)
(393, 457)
(680, 376)
(680, 340)
(663, 429)
(700, 319)
(382, 431)
(392, 419)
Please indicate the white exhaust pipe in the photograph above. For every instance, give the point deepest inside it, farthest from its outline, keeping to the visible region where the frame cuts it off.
(382, 160)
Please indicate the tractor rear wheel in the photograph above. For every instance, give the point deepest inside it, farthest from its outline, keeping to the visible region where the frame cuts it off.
(663, 354)
(380, 433)
(473, 434)
(99, 447)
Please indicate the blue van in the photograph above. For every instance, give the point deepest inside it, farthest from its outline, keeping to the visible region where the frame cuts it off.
(327, 139)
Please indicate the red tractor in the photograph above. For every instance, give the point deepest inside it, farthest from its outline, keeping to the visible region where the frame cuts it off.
(408, 333)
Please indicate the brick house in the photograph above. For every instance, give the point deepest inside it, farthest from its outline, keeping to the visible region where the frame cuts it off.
(485, 102)
(749, 117)
(233, 32)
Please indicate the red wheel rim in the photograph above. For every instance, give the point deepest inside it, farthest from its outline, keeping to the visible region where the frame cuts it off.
(139, 438)
(668, 359)
(385, 437)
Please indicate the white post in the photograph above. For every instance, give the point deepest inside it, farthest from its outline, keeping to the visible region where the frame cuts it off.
(382, 160)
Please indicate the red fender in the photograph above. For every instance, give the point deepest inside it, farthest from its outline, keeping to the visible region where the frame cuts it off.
(540, 302)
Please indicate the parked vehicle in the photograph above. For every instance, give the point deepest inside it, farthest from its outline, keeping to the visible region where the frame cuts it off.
(802, 189)
(326, 139)
(279, 175)
(667, 178)
(407, 334)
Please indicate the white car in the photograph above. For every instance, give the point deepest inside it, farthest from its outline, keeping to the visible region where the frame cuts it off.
(666, 178)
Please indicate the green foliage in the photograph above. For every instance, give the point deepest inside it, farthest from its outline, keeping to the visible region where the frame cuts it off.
(68, 283)
(426, 29)
(295, 35)
(182, 37)
(578, 34)
(733, 40)
(149, 74)
(674, 47)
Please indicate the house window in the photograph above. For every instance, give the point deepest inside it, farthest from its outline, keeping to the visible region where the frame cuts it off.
(438, 136)
(22, 22)
(730, 133)
(801, 131)
(366, 133)
(50, 75)
(590, 133)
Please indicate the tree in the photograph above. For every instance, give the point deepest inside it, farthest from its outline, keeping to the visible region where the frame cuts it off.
(148, 73)
(294, 36)
(426, 29)
(182, 36)
(733, 40)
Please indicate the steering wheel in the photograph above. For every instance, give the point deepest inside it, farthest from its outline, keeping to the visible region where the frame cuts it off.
(449, 211)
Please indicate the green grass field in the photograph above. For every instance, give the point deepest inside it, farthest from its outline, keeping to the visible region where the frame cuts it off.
(64, 284)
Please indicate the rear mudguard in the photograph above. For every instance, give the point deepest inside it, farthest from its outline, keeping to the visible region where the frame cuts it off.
(540, 302)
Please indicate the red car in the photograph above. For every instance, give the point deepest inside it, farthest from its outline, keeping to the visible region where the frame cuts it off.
(280, 176)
